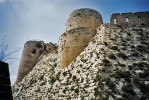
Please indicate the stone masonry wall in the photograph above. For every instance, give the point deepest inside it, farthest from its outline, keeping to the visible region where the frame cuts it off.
(72, 43)
(84, 17)
(5, 84)
(130, 19)
(32, 52)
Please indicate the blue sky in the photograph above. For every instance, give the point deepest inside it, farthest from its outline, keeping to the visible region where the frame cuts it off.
(22, 20)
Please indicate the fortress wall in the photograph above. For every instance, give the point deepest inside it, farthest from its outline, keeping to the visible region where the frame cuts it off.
(130, 19)
(72, 43)
(84, 18)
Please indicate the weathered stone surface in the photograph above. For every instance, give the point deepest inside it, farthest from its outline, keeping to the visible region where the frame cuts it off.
(139, 19)
(72, 43)
(81, 28)
(84, 17)
(114, 65)
(32, 52)
(105, 69)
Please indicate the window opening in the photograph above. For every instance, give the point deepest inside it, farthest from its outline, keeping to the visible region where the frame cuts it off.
(34, 51)
(114, 21)
(139, 18)
(127, 20)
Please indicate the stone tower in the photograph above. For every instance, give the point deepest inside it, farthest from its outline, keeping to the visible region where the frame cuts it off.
(32, 52)
(82, 25)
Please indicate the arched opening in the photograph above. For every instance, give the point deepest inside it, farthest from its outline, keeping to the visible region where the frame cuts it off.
(139, 18)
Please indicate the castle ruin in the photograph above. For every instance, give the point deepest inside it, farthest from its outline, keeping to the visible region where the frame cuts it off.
(82, 26)
(32, 52)
(138, 19)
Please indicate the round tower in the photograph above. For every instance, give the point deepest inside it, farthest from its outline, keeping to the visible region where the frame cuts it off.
(84, 17)
(31, 52)
(81, 28)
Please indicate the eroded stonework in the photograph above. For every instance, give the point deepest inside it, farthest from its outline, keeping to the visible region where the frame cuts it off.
(72, 42)
(32, 52)
(112, 65)
(82, 25)
(84, 17)
(136, 19)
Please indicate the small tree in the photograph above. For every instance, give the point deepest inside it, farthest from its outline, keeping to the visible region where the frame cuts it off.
(4, 54)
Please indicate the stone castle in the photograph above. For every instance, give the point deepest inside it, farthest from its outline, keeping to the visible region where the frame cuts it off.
(93, 60)
(82, 25)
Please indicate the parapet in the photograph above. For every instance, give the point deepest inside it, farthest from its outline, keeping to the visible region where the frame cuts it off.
(84, 17)
(139, 19)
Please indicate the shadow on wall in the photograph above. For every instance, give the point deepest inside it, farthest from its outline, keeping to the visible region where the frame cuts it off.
(5, 85)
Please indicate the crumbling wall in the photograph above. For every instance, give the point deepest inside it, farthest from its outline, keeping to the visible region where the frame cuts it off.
(72, 43)
(5, 84)
(31, 54)
(84, 17)
(138, 19)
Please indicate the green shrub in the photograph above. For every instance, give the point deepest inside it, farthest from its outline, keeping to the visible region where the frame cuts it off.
(39, 44)
(76, 90)
(135, 54)
(122, 55)
(122, 74)
(106, 62)
(98, 77)
(53, 79)
(111, 56)
(64, 73)
(128, 88)
(114, 47)
(140, 48)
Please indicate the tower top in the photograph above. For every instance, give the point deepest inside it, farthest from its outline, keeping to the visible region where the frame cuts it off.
(84, 17)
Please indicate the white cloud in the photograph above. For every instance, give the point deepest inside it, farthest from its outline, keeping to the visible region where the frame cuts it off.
(2, 1)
